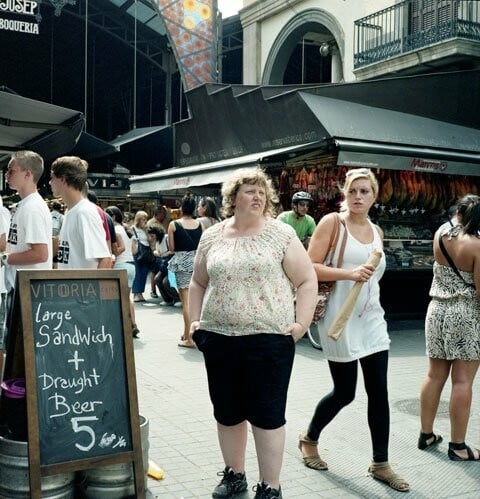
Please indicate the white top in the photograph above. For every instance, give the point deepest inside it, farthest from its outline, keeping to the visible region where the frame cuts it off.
(6, 216)
(125, 256)
(161, 249)
(30, 224)
(3, 230)
(140, 236)
(207, 221)
(366, 331)
(82, 238)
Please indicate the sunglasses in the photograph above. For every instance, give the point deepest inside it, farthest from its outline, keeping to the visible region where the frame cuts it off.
(303, 203)
(358, 171)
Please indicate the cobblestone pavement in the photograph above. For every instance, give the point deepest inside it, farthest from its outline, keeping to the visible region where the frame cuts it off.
(173, 395)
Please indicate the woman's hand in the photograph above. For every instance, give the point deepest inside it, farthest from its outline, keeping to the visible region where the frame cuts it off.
(362, 273)
(296, 330)
(194, 326)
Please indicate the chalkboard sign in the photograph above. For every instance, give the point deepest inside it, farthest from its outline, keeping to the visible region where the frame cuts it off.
(79, 359)
(78, 352)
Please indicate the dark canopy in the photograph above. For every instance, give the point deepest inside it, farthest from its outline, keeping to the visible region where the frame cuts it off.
(30, 124)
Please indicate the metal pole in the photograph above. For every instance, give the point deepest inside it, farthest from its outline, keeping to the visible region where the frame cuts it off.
(135, 72)
(85, 83)
(303, 59)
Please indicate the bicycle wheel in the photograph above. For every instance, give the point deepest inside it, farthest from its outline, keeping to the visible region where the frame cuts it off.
(314, 336)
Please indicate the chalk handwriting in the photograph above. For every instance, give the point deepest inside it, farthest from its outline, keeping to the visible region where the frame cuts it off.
(62, 408)
(84, 381)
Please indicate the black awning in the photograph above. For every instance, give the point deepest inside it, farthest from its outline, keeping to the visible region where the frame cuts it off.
(382, 138)
(432, 112)
(181, 179)
(90, 147)
(145, 149)
(30, 124)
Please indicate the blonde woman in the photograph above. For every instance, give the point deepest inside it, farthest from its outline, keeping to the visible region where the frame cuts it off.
(139, 231)
(365, 340)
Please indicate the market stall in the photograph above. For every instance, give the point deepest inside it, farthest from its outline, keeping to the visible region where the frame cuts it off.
(410, 206)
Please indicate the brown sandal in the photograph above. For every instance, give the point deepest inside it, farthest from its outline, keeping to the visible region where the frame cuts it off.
(314, 462)
(395, 481)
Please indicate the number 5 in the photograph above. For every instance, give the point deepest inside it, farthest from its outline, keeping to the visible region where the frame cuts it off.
(88, 429)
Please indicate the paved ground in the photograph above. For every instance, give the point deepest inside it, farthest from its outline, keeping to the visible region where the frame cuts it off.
(173, 395)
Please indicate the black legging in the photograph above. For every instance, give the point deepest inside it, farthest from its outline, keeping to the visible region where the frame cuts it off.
(344, 375)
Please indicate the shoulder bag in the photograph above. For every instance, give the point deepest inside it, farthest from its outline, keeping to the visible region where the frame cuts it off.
(326, 287)
(144, 254)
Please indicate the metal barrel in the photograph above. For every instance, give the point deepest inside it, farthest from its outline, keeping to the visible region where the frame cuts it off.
(115, 481)
(14, 476)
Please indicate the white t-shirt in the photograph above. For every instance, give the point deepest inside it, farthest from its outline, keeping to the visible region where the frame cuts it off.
(30, 224)
(125, 256)
(3, 230)
(82, 238)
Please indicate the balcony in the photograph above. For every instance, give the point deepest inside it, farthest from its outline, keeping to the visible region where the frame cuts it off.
(415, 36)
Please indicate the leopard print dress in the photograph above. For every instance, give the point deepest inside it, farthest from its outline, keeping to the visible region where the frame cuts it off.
(452, 325)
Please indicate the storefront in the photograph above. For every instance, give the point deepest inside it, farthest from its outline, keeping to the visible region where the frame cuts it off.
(410, 206)
(422, 144)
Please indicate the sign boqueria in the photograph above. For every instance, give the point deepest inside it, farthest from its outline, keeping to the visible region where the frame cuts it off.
(20, 8)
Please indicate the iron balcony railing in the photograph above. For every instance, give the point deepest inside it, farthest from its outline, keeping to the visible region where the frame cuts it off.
(412, 25)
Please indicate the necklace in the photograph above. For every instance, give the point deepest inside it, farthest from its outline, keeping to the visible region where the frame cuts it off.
(367, 306)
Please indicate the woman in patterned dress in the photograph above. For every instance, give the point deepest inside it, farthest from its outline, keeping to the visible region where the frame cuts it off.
(245, 322)
(452, 330)
(183, 237)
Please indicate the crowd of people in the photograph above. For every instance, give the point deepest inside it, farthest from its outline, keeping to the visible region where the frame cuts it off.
(247, 282)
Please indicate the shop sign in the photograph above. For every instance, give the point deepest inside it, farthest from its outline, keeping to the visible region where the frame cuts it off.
(425, 165)
(20, 9)
(355, 159)
(107, 181)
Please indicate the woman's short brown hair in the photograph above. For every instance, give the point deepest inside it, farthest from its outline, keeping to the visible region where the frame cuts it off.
(251, 177)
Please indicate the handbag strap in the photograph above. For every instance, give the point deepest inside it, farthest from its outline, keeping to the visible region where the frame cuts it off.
(450, 261)
(342, 247)
(334, 241)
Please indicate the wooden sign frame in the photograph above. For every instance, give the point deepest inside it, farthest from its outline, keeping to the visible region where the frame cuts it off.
(21, 361)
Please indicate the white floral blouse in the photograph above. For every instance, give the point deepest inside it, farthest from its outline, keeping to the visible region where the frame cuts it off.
(248, 291)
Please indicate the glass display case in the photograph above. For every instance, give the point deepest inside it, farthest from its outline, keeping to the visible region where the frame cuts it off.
(410, 254)
(408, 244)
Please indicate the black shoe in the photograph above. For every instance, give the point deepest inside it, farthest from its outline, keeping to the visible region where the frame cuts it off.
(425, 437)
(135, 331)
(232, 483)
(264, 491)
(452, 447)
